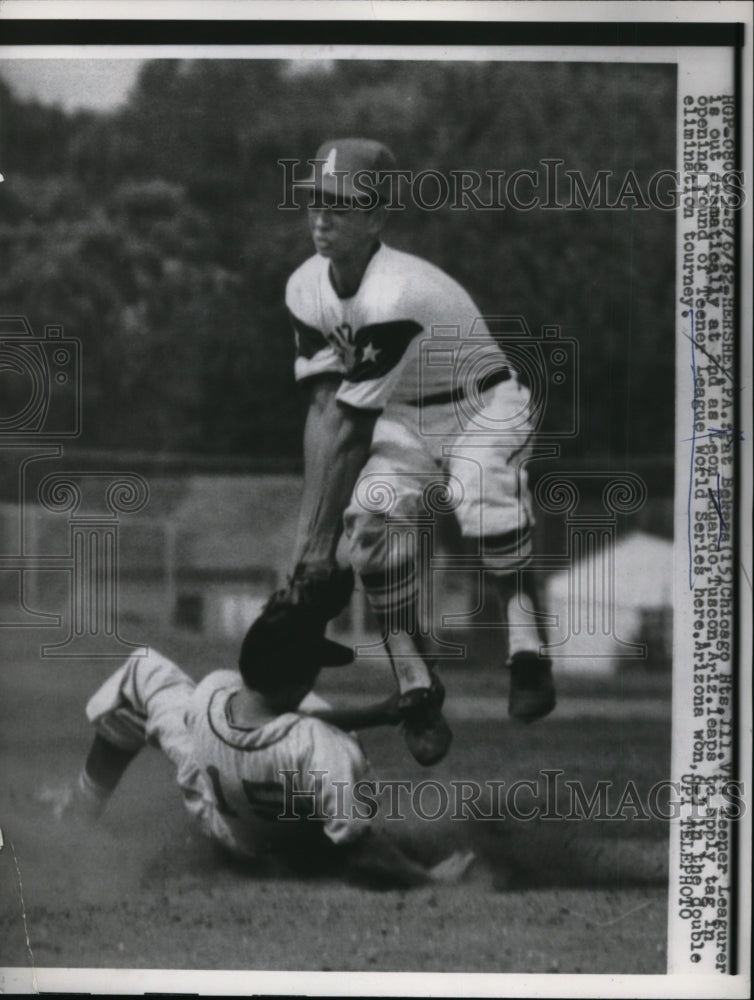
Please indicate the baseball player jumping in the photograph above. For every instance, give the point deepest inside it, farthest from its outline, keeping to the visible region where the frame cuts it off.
(263, 764)
(386, 420)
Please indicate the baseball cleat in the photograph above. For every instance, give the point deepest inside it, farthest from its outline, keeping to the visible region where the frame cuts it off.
(532, 691)
(427, 734)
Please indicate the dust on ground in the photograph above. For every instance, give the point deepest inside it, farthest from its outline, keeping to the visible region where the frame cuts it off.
(143, 890)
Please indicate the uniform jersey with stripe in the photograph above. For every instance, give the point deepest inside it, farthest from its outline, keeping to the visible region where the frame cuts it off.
(410, 334)
(294, 766)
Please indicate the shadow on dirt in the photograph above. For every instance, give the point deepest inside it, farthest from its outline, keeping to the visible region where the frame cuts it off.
(515, 856)
(543, 854)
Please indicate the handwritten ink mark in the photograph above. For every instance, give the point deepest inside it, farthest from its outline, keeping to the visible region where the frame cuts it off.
(693, 449)
(727, 431)
(717, 501)
(705, 352)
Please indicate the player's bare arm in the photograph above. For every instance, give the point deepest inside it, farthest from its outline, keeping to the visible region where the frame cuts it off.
(381, 713)
(337, 439)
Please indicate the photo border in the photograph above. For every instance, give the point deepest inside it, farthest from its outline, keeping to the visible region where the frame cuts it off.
(36, 30)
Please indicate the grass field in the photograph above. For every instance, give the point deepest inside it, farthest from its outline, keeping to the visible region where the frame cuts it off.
(144, 891)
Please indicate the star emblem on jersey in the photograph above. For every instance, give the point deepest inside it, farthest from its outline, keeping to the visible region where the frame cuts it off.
(370, 353)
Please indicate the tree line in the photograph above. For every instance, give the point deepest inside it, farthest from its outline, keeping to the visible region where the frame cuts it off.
(152, 233)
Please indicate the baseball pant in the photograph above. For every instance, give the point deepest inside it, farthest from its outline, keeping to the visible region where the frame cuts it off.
(150, 700)
(422, 464)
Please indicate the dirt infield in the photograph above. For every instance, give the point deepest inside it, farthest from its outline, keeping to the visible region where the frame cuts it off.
(144, 891)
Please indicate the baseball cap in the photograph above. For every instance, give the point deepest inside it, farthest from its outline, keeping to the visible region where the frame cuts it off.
(353, 170)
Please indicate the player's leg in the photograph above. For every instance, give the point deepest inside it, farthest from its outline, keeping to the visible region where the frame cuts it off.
(144, 701)
(380, 525)
(496, 513)
(532, 691)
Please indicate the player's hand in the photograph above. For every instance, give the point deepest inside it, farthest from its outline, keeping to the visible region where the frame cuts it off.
(453, 868)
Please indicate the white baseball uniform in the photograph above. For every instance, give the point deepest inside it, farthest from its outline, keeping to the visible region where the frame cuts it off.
(411, 344)
(237, 782)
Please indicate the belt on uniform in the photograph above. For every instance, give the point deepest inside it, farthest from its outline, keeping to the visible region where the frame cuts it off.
(456, 395)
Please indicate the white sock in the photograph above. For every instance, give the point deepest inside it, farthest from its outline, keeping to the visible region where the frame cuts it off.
(523, 634)
(409, 667)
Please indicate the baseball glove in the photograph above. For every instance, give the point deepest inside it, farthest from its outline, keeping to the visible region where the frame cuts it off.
(299, 612)
(313, 595)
